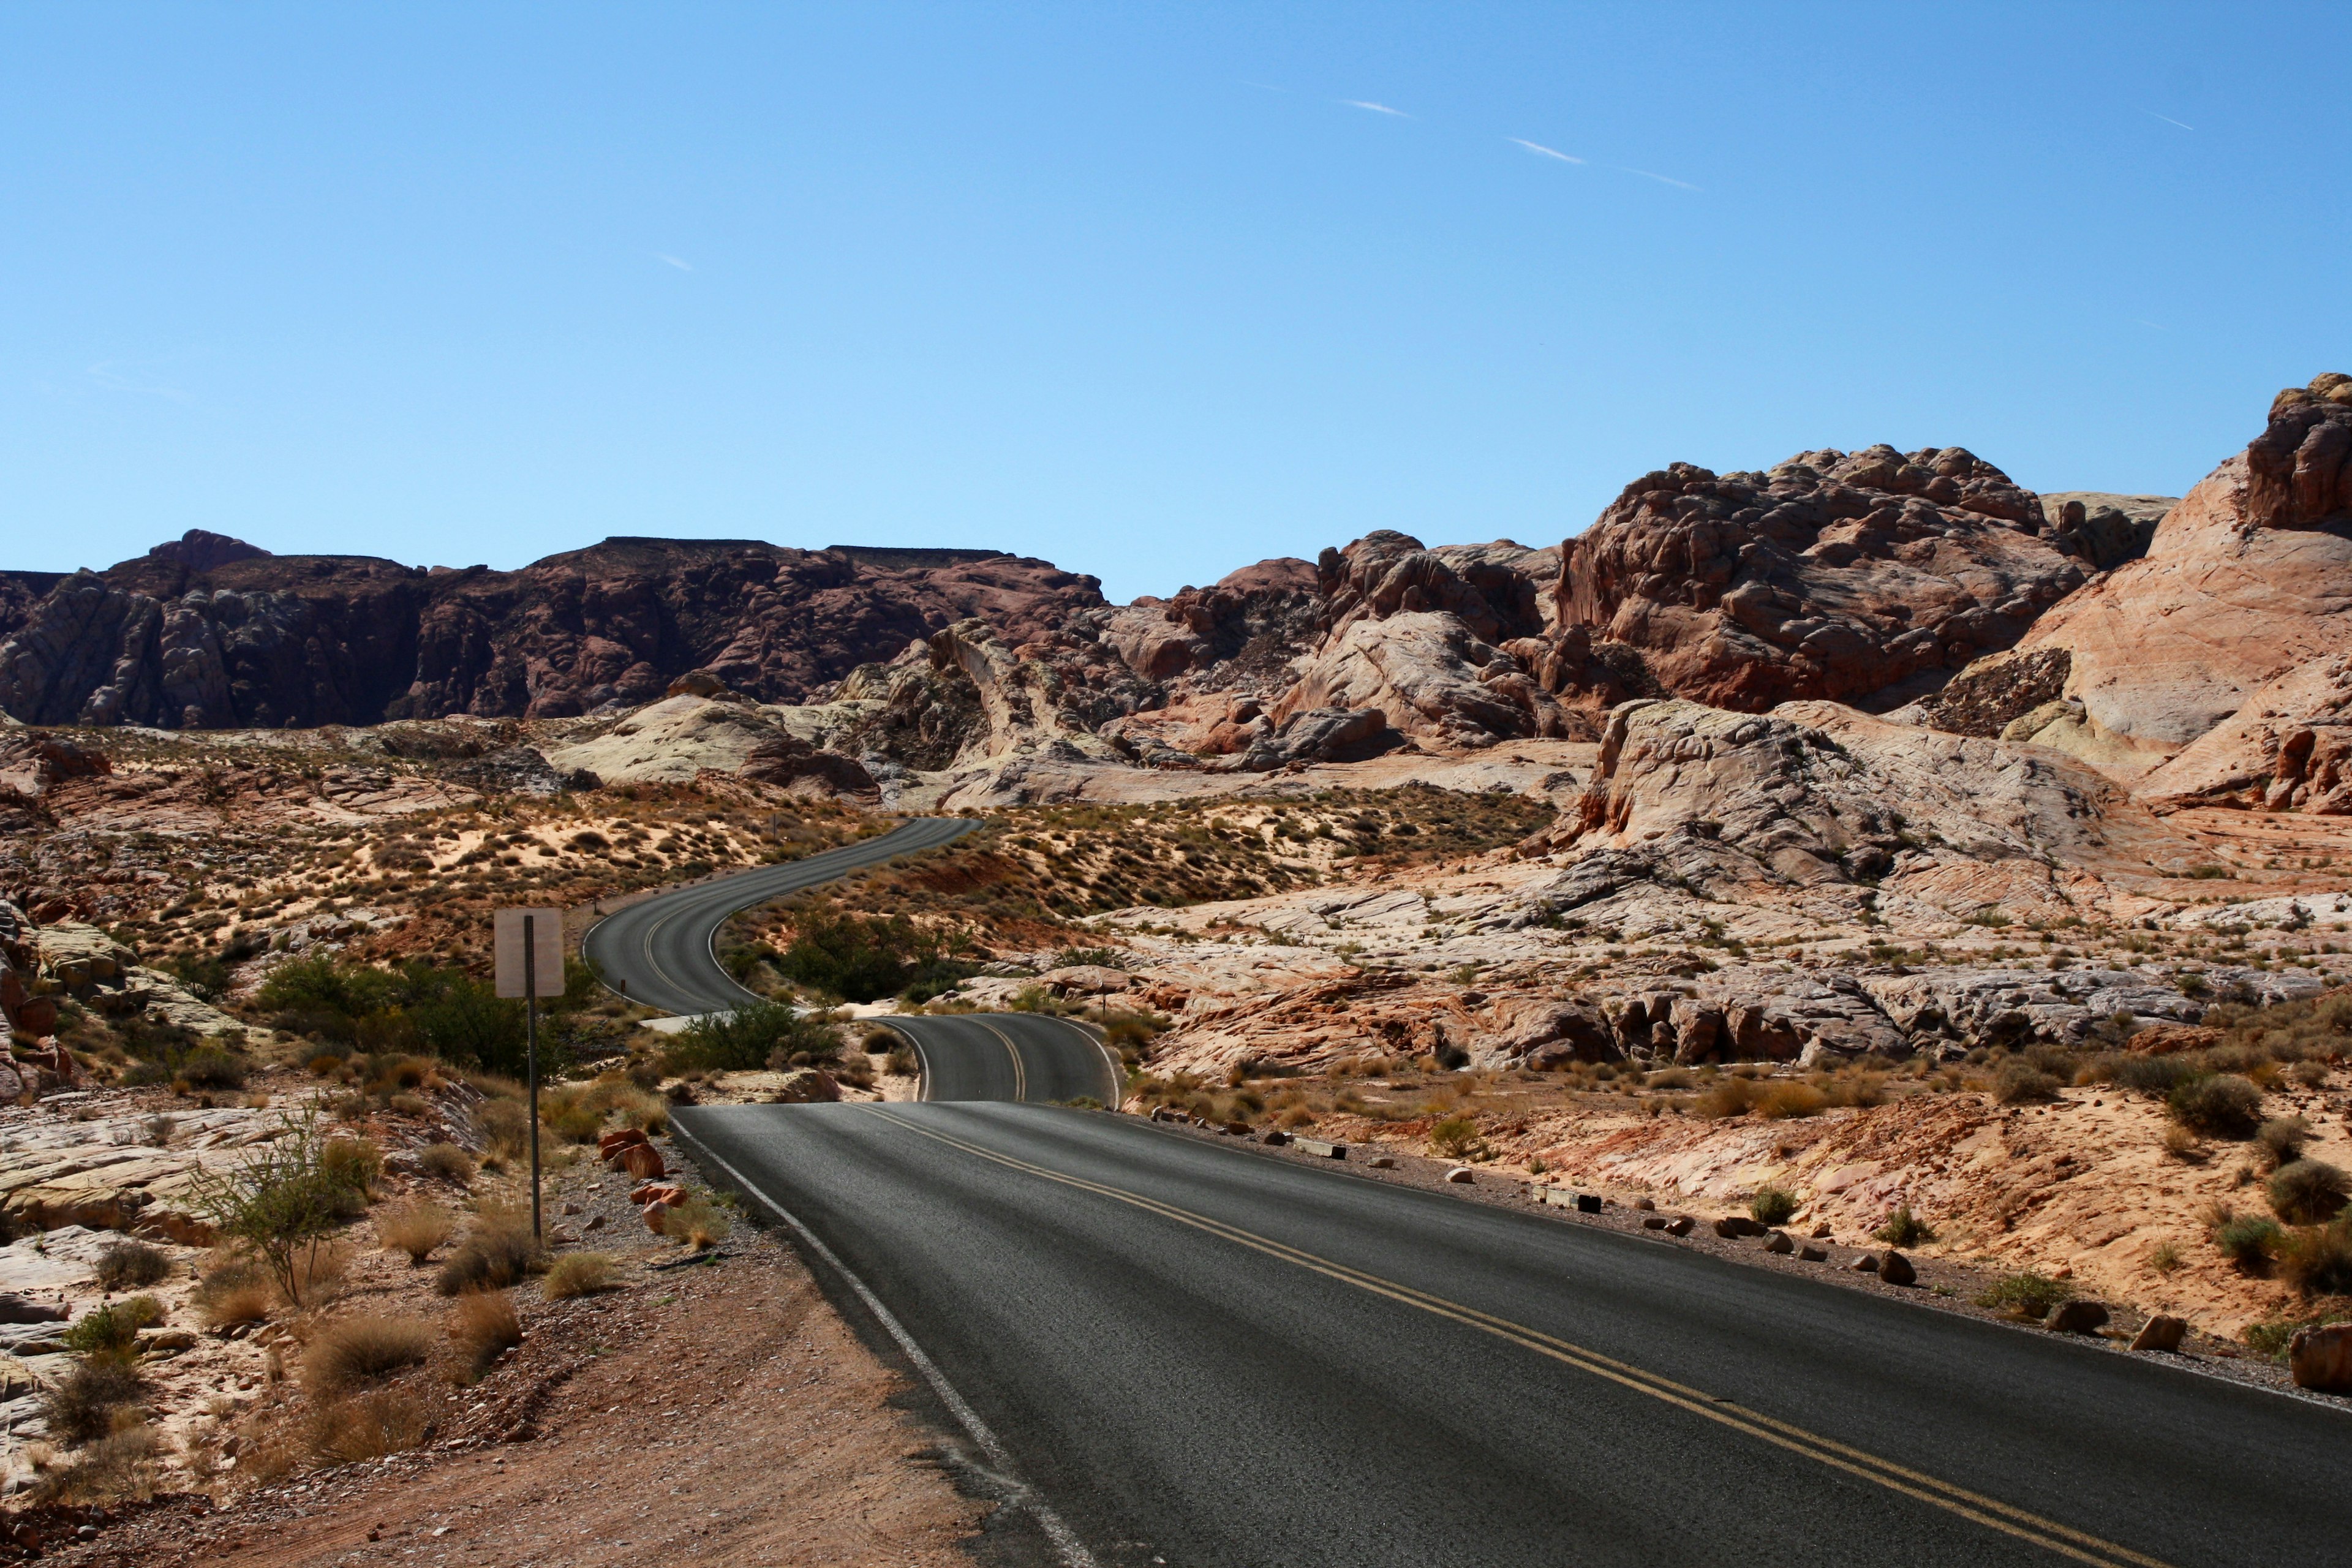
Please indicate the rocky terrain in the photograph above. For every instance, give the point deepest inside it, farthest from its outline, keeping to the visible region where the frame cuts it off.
(1951, 861)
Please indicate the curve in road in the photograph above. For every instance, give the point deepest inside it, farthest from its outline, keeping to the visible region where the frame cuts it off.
(1205, 1354)
(660, 952)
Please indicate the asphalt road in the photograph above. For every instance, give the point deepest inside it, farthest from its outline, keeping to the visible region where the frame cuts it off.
(659, 951)
(1199, 1354)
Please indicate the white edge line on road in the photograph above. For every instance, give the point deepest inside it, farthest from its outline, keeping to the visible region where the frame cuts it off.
(1065, 1540)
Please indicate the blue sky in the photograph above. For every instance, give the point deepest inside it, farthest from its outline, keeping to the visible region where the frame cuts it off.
(1151, 291)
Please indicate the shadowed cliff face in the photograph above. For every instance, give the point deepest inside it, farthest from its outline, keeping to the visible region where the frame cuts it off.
(210, 633)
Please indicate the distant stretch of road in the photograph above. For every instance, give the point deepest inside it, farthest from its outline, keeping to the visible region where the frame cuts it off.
(659, 951)
(1198, 1353)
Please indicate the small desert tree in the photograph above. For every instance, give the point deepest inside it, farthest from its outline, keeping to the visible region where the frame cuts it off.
(283, 1201)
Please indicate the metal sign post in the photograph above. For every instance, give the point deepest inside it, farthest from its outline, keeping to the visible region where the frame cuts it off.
(528, 947)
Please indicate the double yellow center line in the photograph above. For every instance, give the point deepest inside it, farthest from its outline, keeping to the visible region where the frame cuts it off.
(1991, 1512)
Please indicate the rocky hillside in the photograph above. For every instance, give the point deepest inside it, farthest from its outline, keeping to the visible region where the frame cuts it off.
(209, 633)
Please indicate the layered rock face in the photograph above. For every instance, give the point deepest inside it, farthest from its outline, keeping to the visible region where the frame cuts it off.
(207, 633)
(2246, 582)
(1863, 577)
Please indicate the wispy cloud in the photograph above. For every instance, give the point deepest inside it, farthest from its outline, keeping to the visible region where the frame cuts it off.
(2166, 118)
(674, 261)
(1547, 151)
(1661, 179)
(114, 375)
(1375, 108)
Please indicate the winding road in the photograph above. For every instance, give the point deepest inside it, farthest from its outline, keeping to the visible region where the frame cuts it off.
(660, 952)
(1161, 1349)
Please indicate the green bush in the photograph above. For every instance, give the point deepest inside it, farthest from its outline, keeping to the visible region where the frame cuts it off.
(2307, 1192)
(2221, 1105)
(1772, 1205)
(2153, 1074)
(1904, 1228)
(1454, 1136)
(2248, 1241)
(862, 959)
(755, 1036)
(2030, 1295)
(104, 1331)
(283, 1201)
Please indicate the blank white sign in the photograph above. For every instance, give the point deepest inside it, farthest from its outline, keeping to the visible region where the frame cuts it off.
(547, 955)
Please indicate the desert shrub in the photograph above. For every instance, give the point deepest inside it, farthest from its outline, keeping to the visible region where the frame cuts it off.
(485, 1326)
(2151, 1075)
(578, 1274)
(1772, 1205)
(2165, 1258)
(2248, 1241)
(355, 1163)
(1781, 1099)
(1904, 1228)
(2180, 1142)
(2282, 1139)
(698, 1222)
(504, 1126)
(2029, 1295)
(2021, 1081)
(283, 1202)
(755, 1036)
(119, 1467)
(416, 1228)
(1454, 1136)
(2317, 1261)
(498, 1251)
(209, 1067)
(92, 1399)
(131, 1265)
(237, 1290)
(862, 959)
(355, 1350)
(1725, 1098)
(2221, 1105)
(447, 1160)
(2307, 1192)
(379, 1422)
(112, 1330)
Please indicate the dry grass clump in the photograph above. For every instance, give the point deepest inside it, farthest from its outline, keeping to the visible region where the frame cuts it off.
(415, 1227)
(369, 1427)
(448, 1162)
(485, 1327)
(1774, 1099)
(498, 1251)
(98, 1396)
(698, 1222)
(117, 1467)
(505, 1127)
(131, 1265)
(578, 1274)
(351, 1352)
(2317, 1260)
(233, 1290)
(1772, 1205)
(356, 1163)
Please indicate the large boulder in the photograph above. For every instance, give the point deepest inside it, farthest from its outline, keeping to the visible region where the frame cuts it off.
(1863, 577)
(2321, 1358)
